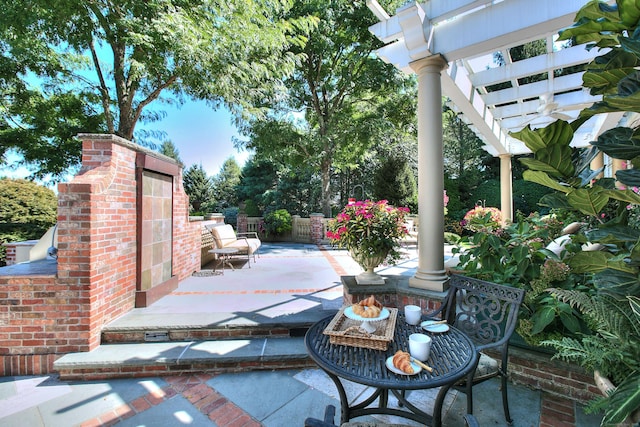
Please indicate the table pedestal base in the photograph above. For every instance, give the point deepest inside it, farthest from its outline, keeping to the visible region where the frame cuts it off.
(382, 395)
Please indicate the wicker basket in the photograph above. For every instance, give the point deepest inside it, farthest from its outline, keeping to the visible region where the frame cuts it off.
(345, 331)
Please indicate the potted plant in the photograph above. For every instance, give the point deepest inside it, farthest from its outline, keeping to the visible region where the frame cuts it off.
(371, 232)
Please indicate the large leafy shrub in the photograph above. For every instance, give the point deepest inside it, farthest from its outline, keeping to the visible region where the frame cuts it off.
(609, 298)
(277, 222)
(27, 211)
(517, 255)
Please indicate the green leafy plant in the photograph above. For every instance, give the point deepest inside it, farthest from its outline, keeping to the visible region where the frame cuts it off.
(613, 285)
(518, 255)
(614, 349)
(277, 222)
(369, 227)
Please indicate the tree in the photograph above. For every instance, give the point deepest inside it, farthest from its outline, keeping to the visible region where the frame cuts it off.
(465, 161)
(169, 149)
(27, 210)
(113, 59)
(338, 99)
(394, 181)
(199, 188)
(257, 179)
(264, 188)
(225, 183)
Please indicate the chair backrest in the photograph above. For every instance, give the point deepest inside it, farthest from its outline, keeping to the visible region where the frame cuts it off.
(222, 234)
(487, 312)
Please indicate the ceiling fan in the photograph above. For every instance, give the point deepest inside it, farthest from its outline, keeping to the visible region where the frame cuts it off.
(548, 108)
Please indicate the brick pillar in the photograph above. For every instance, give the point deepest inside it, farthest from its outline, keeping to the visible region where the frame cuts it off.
(317, 227)
(241, 224)
(10, 256)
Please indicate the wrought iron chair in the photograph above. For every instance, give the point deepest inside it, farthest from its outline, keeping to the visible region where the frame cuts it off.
(488, 313)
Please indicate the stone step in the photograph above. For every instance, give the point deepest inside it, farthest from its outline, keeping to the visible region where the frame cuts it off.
(175, 358)
(199, 333)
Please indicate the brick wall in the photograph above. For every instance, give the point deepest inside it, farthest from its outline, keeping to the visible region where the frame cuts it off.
(44, 317)
(32, 327)
(539, 371)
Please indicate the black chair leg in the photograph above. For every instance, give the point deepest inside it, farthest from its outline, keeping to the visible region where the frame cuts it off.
(469, 392)
(505, 400)
(329, 414)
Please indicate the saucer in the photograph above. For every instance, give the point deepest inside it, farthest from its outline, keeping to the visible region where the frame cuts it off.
(433, 326)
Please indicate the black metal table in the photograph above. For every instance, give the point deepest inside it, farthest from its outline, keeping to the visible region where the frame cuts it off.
(452, 356)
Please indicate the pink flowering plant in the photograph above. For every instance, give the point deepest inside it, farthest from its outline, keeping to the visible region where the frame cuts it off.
(370, 228)
(481, 218)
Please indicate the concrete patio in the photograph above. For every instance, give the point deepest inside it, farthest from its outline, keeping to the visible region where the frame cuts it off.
(288, 283)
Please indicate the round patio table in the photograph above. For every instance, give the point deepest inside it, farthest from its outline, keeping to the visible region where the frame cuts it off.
(453, 356)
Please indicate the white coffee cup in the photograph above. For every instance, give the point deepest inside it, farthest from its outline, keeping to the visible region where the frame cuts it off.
(412, 314)
(419, 346)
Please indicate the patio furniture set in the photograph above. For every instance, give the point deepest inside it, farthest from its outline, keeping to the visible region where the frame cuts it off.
(480, 316)
(229, 244)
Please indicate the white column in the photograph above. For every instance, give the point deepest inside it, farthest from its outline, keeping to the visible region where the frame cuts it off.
(506, 188)
(430, 273)
(598, 163)
(617, 165)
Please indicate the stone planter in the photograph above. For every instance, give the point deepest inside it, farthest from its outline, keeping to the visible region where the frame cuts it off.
(606, 387)
(368, 263)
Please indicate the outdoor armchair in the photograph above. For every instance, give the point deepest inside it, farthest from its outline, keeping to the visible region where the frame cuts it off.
(488, 313)
(225, 237)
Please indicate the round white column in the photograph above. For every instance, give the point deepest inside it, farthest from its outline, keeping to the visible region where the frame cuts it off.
(506, 188)
(598, 163)
(430, 273)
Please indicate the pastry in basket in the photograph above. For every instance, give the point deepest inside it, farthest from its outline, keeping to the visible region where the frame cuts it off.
(367, 308)
(402, 361)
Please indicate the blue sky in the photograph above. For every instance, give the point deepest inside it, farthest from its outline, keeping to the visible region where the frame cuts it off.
(201, 134)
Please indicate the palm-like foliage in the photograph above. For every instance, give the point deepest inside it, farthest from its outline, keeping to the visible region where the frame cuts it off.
(614, 350)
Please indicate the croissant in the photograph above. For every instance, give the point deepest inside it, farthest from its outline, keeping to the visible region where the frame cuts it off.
(402, 361)
(368, 308)
(370, 312)
(370, 302)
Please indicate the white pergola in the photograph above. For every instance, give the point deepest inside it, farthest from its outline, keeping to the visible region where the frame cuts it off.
(451, 45)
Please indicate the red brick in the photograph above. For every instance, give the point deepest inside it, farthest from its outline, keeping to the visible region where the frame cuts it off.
(140, 404)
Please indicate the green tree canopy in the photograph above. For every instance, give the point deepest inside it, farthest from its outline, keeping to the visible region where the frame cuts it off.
(169, 149)
(340, 99)
(394, 181)
(199, 188)
(225, 183)
(27, 210)
(100, 64)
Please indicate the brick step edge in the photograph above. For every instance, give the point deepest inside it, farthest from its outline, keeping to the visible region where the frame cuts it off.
(113, 336)
(212, 367)
(174, 358)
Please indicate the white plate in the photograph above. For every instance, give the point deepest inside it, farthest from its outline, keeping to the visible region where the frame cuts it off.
(389, 363)
(384, 313)
(432, 326)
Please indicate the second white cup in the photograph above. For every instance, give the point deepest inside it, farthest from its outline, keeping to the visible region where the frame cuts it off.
(412, 314)
(419, 346)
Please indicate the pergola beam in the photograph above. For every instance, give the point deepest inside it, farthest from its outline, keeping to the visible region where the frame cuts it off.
(500, 25)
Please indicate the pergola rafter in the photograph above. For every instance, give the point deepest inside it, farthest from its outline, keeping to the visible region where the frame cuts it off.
(468, 34)
(452, 47)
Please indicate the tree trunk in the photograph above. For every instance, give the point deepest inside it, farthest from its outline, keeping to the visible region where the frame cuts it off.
(325, 171)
